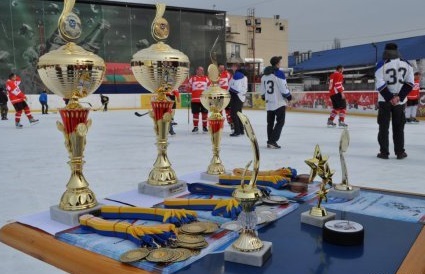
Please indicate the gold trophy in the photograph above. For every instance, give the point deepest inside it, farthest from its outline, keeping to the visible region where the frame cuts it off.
(344, 189)
(73, 73)
(318, 215)
(161, 69)
(215, 99)
(248, 248)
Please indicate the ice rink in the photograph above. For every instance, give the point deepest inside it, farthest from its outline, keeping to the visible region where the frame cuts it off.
(120, 153)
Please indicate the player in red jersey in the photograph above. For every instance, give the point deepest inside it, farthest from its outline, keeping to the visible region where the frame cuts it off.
(336, 92)
(18, 100)
(413, 100)
(223, 82)
(197, 84)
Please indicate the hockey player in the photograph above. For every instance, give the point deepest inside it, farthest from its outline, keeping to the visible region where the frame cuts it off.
(104, 100)
(336, 93)
(238, 87)
(275, 92)
(175, 97)
(3, 104)
(413, 100)
(394, 81)
(197, 84)
(18, 100)
(223, 82)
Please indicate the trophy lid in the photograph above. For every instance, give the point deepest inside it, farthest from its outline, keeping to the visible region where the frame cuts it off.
(160, 64)
(71, 71)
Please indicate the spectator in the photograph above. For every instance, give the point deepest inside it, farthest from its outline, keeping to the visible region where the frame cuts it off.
(43, 101)
(413, 100)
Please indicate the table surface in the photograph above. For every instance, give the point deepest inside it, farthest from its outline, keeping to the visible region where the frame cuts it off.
(390, 246)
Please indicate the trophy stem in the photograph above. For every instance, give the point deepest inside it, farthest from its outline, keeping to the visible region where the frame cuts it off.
(318, 211)
(75, 125)
(162, 173)
(248, 240)
(216, 128)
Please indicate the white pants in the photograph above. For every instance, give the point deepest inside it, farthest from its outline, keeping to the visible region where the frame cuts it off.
(411, 111)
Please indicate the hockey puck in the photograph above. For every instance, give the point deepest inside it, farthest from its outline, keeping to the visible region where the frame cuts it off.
(298, 187)
(343, 232)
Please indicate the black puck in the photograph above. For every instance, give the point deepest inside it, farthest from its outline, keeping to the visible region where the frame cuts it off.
(343, 232)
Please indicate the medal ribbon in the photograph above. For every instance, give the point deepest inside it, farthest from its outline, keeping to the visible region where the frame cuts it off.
(220, 190)
(139, 234)
(274, 181)
(228, 208)
(172, 216)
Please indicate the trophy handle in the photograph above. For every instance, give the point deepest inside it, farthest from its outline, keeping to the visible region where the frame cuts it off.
(254, 145)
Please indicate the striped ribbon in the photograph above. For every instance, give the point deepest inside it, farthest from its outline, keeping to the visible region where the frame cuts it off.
(141, 235)
(173, 216)
(274, 181)
(220, 190)
(228, 208)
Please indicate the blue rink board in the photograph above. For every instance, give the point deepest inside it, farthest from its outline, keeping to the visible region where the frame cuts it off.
(298, 249)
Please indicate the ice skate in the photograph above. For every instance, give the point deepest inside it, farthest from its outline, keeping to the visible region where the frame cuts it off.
(331, 123)
(19, 125)
(195, 129)
(33, 121)
(342, 124)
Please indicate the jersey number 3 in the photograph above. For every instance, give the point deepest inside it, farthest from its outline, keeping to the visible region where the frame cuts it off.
(392, 73)
(269, 86)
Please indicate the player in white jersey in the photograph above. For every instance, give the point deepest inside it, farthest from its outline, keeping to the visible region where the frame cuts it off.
(274, 90)
(394, 81)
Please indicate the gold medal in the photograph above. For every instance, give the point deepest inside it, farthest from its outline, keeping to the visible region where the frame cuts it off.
(190, 239)
(211, 227)
(160, 255)
(134, 255)
(193, 228)
(185, 254)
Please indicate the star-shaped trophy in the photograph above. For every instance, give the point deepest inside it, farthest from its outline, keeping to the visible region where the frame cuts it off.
(319, 165)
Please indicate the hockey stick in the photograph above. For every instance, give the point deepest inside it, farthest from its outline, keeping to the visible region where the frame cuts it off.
(141, 114)
(87, 103)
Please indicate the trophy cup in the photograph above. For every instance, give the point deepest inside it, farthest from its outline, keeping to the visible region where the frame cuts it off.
(215, 99)
(73, 73)
(160, 68)
(248, 248)
(344, 190)
(318, 215)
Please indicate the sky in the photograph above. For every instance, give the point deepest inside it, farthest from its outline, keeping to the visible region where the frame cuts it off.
(120, 153)
(314, 24)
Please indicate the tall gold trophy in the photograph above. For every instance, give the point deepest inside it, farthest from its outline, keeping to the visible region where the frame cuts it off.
(319, 165)
(73, 73)
(344, 189)
(248, 248)
(160, 69)
(215, 99)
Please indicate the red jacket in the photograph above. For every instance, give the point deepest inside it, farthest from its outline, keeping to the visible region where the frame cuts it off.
(414, 93)
(197, 84)
(224, 79)
(335, 83)
(15, 93)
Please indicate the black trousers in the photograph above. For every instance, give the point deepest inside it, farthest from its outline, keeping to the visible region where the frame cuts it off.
(235, 106)
(44, 108)
(386, 113)
(4, 109)
(274, 130)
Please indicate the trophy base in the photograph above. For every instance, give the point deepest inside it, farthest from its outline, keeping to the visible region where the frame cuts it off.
(162, 191)
(307, 218)
(71, 218)
(211, 177)
(344, 194)
(256, 258)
